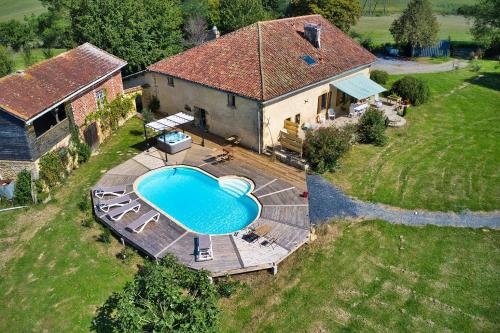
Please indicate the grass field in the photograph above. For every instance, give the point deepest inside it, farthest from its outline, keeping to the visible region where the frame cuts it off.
(377, 277)
(54, 271)
(37, 57)
(377, 28)
(446, 158)
(17, 9)
(396, 6)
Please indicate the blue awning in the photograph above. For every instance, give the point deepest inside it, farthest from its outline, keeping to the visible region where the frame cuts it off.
(359, 86)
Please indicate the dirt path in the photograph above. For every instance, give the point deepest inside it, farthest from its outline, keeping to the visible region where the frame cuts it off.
(342, 206)
(395, 66)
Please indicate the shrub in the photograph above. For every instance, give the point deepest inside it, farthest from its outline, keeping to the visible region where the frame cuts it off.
(83, 151)
(164, 296)
(126, 254)
(379, 76)
(324, 147)
(371, 127)
(88, 221)
(85, 203)
(226, 286)
(52, 168)
(412, 89)
(475, 66)
(105, 237)
(22, 191)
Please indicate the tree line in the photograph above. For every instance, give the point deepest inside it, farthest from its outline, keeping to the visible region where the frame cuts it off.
(145, 31)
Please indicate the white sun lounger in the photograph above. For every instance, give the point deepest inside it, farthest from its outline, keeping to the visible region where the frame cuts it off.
(138, 225)
(100, 192)
(105, 205)
(117, 213)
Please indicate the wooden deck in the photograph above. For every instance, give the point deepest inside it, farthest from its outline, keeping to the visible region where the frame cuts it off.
(277, 187)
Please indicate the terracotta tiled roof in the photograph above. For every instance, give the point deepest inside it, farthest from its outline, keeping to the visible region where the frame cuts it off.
(264, 60)
(42, 85)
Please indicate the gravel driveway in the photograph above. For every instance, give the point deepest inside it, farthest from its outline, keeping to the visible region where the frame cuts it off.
(327, 202)
(398, 66)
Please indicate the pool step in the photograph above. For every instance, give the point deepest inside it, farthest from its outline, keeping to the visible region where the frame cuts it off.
(235, 187)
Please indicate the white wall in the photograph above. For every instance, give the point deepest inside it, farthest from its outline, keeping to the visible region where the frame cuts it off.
(304, 103)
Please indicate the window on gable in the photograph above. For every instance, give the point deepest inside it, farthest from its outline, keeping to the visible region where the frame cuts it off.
(100, 97)
(231, 100)
(309, 60)
(170, 81)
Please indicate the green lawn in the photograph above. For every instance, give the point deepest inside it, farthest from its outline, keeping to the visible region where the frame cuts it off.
(17, 9)
(439, 6)
(447, 157)
(37, 57)
(56, 272)
(377, 28)
(377, 277)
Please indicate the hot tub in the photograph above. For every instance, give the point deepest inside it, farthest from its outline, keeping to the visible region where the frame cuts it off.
(173, 142)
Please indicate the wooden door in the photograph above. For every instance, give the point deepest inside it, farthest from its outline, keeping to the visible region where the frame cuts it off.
(91, 136)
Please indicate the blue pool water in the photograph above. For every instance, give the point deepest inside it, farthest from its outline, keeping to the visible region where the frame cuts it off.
(173, 137)
(200, 202)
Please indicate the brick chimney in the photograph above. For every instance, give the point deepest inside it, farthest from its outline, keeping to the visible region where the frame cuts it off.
(312, 32)
(213, 33)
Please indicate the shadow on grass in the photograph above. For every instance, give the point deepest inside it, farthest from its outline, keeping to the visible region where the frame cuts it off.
(487, 80)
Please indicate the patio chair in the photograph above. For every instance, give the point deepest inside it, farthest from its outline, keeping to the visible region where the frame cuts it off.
(203, 248)
(105, 205)
(117, 213)
(331, 114)
(117, 191)
(269, 242)
(250, 237)
(139, 224)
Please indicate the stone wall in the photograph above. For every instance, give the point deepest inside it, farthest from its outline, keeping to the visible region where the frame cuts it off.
(10, 169)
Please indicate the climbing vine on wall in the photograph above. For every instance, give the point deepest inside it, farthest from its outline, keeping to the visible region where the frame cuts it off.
(110, 114)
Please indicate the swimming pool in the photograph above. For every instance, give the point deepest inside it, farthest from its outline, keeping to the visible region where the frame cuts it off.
(199, 201)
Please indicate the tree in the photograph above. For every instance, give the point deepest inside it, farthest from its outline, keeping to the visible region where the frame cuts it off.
(235, 14)
(485, 21)
(163, 297)
(18, 34)
(6, 61)
(341, 13)
(196, 31)
(279, 8)
(417, 26)
(139, 31)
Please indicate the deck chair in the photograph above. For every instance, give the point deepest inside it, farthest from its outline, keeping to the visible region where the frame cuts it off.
(117, 191)
(139, 224)
(105, 205)
(203, 248)
(331, 114)
(117, 213)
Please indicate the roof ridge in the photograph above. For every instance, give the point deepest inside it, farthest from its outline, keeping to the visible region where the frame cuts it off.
(261, 56)
(290, 18)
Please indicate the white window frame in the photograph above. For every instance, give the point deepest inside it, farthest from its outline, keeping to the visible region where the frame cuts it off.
(100, 98)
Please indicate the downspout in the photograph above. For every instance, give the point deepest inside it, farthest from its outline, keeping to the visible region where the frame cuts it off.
(259, 126)
(260, 115)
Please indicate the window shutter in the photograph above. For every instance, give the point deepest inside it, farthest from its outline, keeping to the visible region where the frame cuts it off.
(329, 100)
(319, 103)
